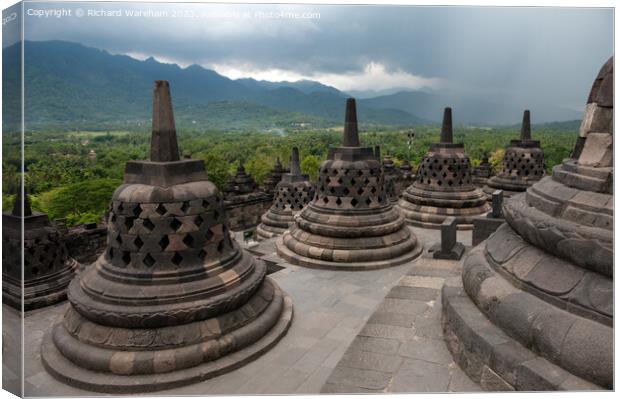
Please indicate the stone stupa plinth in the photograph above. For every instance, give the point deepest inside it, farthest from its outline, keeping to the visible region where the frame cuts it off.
(534, 307)
(522, 166)
(173, 299)
(350, 224)
(443, 186)
(47, 267)
(293, 192)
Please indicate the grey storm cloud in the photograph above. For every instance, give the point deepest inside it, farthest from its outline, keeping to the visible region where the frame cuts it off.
(494, 51)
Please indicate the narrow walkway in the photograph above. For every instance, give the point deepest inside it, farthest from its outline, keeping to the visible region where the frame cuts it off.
(401, 348)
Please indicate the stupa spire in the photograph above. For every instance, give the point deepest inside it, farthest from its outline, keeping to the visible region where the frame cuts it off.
(446, 127)
(295, 168)
(351, 136)
(21, 202)
(526, 130)
(164, 147)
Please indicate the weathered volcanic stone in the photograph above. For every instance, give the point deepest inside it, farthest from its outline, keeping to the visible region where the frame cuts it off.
(273, 178)
(350, 224)
(172, 300)
(390, 176)
(443, 186)
(239, 184)
(545, 279)
(293, 192)
(522, 166)
(481, 173)
(47, 266)
(406, 177)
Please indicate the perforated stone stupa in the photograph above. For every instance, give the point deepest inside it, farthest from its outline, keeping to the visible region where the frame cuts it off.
(273, 178)
(390, 175)
(443, 185)
(350, 224)
(534, 308)
(239, 184)
(480, 174)
(293, 192)
(523, 164)
(47, 266)
(173, 300)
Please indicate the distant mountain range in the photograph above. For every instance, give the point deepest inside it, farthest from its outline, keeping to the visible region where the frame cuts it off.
(72, 86)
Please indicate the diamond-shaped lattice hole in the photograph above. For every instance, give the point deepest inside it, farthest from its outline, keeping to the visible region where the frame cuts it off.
(338, 201)
(175, 224)
(148, 260)
(119, 239)
(368, 201)
(345, 191)
(198, 221)
(138, 242)
(354, 202)
(360, 191)
(209, 235)
(325, 200)
(216, 215)
(120, 207)
(129, 222)
(163, 243)
(185, 207)
(188, 240)
(177, 259)
(126, 257)
(148, 224)
(161, 209)
(220, 246)
(202, 254)
(137, 210)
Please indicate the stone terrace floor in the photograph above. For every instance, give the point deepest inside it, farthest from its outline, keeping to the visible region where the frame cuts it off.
(365, 331)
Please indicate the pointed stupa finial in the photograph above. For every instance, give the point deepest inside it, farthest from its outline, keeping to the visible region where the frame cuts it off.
(446, 127)
(19, 203)
(278, 163)
(295, 168)
(526, 130)
(351, 136)
(241, 168)
(378, 153)
(164, 147)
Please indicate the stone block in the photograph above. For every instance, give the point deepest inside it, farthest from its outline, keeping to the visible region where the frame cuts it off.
(449, 248)
(597, 151)
(484, 226)
(497, 198)
(490, 381)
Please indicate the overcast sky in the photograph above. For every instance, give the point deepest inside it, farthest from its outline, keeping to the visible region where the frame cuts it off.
(549, 54)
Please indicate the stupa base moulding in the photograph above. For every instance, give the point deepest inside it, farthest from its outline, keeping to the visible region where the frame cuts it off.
(68, 372)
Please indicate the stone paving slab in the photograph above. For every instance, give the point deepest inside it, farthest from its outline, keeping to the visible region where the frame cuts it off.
(401, 348)
(330, 309)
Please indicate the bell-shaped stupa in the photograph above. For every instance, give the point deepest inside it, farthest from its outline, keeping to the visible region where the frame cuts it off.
(350, 224)
(534, 307)
(443, 185)
(390, 176)
(292, 193)
(47, 267)
(480, 174)
(239, 184)
(523, 164)
(173, 299)
(273, 178)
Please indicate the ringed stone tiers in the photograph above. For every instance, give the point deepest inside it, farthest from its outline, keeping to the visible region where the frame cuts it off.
(534, 307)
(350, 224)
(443, 186)
(173, 300)
(48, 268)
(523, 164)
(239, 184)
(292, 193)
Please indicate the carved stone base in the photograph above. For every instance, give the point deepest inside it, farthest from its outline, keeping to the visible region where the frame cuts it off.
(194, 352)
